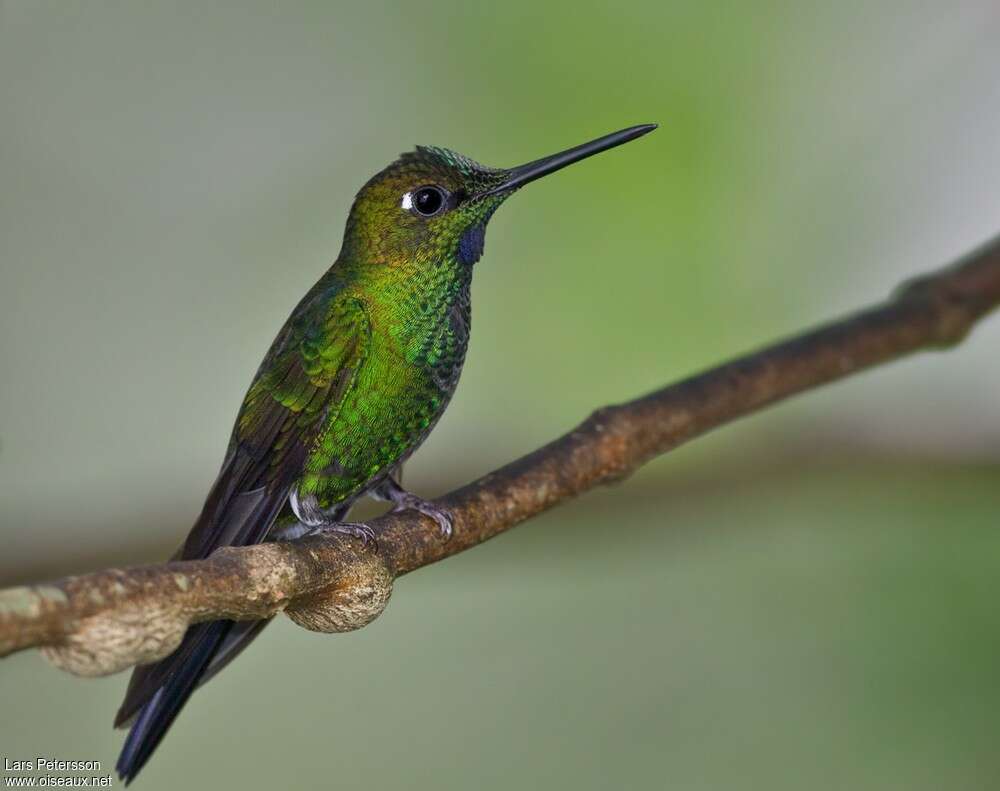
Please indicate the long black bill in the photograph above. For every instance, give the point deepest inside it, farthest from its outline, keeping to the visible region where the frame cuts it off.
(519, 176)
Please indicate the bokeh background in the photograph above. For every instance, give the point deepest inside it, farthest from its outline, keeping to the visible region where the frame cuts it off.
(804, 600)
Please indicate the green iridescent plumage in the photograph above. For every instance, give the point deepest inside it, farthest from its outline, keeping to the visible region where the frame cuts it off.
(351, 386)
(370, 358)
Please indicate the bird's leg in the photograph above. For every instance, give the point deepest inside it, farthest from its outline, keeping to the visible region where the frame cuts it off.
(314, 520)
(402, 500)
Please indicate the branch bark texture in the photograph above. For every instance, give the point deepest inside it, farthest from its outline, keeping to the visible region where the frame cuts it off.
(107, 621)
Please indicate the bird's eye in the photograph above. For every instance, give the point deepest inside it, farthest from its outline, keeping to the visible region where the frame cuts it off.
(428, 201)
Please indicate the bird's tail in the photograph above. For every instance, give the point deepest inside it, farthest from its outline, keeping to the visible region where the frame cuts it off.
(157, 692)
(159, 712)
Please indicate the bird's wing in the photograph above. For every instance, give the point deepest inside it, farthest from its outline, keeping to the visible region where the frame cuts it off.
(299, 388)
(300, 385)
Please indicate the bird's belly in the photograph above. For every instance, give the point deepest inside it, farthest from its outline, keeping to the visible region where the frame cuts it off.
(382, 419)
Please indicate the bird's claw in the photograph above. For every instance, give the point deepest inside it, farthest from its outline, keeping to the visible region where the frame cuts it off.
(418, 504)
(355, 529)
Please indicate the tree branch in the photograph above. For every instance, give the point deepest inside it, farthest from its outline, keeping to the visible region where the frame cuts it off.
(104, 622)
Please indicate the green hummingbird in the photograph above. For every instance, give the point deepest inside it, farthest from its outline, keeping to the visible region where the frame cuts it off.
(352, 385)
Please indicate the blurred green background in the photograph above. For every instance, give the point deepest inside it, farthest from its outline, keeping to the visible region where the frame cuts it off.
(803, 600)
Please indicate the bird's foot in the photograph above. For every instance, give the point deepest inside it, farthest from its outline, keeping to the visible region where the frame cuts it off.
(298, 530)
(403, 500)
(420, 505)
(355, 529)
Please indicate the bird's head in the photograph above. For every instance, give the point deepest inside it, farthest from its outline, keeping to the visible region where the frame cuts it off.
(432, 205)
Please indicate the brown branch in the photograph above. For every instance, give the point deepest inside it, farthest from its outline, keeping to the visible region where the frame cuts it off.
(104, 622)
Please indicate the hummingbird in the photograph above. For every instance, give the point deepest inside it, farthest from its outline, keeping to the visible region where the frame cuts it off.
(351, 386)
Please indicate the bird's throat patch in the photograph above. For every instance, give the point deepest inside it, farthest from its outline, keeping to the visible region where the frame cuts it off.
(470, 246)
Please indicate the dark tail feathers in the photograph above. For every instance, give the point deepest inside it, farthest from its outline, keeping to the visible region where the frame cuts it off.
(156, 716)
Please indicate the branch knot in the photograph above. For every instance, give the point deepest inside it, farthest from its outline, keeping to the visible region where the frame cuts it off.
(359, 595)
